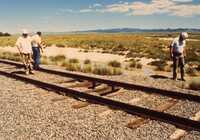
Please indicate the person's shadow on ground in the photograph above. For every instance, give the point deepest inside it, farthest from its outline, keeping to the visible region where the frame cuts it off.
(18, 72)
(159, 77)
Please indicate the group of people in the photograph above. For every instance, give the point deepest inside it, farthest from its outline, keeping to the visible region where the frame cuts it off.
(30, 49)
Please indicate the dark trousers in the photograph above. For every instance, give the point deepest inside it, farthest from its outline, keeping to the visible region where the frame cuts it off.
(36, 57)
(178, 61)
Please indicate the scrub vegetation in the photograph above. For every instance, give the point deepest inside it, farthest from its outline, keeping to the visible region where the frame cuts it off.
(130, 45)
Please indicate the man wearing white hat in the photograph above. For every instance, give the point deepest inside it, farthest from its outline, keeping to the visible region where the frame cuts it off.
(25, 49)
(177, 52)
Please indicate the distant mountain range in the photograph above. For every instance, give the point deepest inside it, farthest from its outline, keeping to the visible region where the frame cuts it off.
(126, 30)
(137, 30)
(122, 30)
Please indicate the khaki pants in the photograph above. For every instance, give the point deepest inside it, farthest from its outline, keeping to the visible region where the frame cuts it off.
(178, 61)
(27, 61)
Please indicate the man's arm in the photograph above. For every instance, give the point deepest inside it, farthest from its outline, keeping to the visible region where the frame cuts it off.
(18, 46)
(171, 50)
(184, 52)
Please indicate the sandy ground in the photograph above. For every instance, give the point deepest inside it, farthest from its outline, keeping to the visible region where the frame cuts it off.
(73, 53)
(100, 58)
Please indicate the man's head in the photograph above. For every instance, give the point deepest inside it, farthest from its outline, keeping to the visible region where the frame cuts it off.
(39, 33)
(25, 33)
(184, 36)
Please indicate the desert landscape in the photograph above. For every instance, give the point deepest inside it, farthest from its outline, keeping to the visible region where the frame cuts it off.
(100, 70)
(143, 54)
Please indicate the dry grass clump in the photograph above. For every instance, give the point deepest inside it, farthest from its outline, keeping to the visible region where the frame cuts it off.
(192, 71)
(73, 60)
(10, 56)
(58, 58)
(44, 60)
(114, 64)
(72, 66)
(194, 84)
(99, 70)
(160, 65)
(87, 61)
(134, 64)
(87, 68)
(60, 45)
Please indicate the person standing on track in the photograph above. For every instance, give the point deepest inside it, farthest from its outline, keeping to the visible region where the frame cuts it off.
(25, 49)
(178, 53)
(37, 49)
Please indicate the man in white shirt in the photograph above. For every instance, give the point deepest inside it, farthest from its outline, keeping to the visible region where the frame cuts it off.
(177, 52)
(37, 48)
(25, 49)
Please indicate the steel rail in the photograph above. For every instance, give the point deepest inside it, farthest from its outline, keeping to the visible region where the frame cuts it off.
(180, 122)
(125, 85)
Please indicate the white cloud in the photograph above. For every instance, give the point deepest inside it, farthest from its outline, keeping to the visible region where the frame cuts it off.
(170, 7)
(85, 10)
(183, 8)
(97, 5)
(182, 0)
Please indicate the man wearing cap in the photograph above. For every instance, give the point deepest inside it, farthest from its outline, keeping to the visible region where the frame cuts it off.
(25, 49)
(177, 52)
(37, 49)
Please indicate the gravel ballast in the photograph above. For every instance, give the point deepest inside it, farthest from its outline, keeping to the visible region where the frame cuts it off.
(29, 112)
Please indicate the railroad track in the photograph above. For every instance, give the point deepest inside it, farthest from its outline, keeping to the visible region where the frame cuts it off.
(93, 84)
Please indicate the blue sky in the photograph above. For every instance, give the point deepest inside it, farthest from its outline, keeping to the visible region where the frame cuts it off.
(71, 15)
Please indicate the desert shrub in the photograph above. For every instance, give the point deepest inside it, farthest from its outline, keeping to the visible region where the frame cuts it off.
(87, 68)
(198, 68)
(115, 64)
(87, 61)
(105, 51)
(139, 66)
(10, 56)
(99, 70)
(44, 60)
(133, 63)
(160, 65)
(195, 84)
(116, 71)
(72, 66)
(57, 58)
(86, 51)
(73, 60)
(119, 47)
(134, 54)
(191, 71)
(60, 45)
